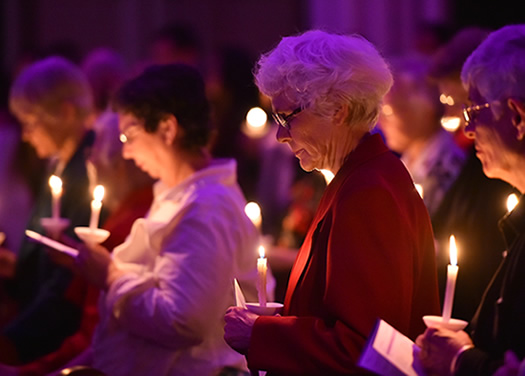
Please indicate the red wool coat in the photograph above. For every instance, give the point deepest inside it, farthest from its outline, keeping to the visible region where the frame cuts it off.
(368, 254)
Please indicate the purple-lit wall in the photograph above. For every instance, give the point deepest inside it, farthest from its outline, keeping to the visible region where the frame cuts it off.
(127, 25)
(393, 25)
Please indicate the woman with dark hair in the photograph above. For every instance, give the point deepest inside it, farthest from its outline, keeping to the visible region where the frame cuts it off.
(167, 286)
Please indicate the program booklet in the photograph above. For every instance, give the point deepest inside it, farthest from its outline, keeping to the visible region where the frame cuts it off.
(389, 353)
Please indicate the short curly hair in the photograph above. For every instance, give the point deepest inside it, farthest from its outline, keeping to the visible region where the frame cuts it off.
(171, 89)
(497, 67)
(324, 71)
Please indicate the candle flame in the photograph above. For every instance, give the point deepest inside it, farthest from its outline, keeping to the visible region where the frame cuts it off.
(56, 184)
(450, 123)
(261, 251)
(253, 211)
(446, 99)
(453, 251)
(387, 110)
(512, 201)
(256, 123)
(98, 193)
(256, 117)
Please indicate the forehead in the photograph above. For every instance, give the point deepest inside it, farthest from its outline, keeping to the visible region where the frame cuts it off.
(281, 103)
(127, 119)
(475, 96)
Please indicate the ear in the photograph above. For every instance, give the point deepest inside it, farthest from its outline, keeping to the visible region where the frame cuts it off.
(518, 116)
(341, 115)
(168, 129)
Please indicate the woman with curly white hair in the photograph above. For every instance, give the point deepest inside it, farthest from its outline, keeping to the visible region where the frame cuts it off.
(369, 251)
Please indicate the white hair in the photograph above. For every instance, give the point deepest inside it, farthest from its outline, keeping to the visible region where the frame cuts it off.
(497, 67)
(325, 71)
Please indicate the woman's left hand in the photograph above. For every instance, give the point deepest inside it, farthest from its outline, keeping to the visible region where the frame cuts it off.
(238, 329)
(438, 348)
(94, 262)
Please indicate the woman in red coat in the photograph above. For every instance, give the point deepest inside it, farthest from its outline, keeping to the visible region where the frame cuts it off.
(369, 251)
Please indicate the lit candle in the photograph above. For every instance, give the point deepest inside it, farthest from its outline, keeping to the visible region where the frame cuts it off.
(512, 201)
(56, 191)
(253, 211)
(255, 124)
(452, 273)
(450, 123)
(262, 267)
(96, 205)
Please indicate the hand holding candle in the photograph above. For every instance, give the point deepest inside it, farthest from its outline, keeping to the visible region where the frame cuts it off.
(56, 191)
(452, 273)
(96, 205)
(262, 267)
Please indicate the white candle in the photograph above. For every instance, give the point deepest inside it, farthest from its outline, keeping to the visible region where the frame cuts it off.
(253, 211)
(56, 191)
(452, 273)
(262, 267)
(96, 205)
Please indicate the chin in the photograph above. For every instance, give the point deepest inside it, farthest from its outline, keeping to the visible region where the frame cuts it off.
(42, 154)
(307, 167)
(490, 172)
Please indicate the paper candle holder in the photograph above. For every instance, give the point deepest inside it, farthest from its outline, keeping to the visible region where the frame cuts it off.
(92, 235)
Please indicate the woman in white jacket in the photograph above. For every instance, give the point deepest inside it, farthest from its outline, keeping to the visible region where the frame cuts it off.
(166, 288)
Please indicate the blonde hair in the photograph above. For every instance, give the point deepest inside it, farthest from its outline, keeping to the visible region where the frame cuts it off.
(45, 85)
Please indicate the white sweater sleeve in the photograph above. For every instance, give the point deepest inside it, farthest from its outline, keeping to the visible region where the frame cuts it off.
(186, 292)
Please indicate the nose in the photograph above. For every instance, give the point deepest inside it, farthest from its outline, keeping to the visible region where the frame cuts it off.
(283, 135)
(126, 151)
(470, 129)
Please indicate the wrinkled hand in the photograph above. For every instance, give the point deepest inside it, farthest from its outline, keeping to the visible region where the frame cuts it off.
(512, 366)
(438, 347)
(7, 263)
(94, 262)
(238, 329)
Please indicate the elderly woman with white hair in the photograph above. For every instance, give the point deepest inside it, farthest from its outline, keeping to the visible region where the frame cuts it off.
(369, 251)
(494, 75)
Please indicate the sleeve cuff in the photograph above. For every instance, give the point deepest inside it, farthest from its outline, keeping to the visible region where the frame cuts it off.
(454, 363)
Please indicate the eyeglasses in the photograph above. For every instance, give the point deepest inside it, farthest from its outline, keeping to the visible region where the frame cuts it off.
(284, 120)
(471, 112)
(130, 133)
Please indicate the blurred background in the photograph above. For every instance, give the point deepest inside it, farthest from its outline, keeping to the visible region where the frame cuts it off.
(35, 27)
